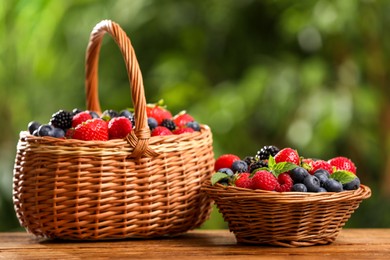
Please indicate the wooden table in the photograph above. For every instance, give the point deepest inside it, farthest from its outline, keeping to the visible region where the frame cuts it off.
(198, 244)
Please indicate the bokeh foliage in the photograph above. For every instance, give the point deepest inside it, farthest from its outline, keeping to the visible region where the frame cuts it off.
(307, 74)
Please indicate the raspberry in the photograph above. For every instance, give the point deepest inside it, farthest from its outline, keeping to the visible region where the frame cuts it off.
(80, 118)
(285, 183)
(244, 181)
(343, 163)
(225, 161)
(264, 180)
(287, 155)
(119, 127)
(92, 129)
(160, 131)
(320, 164)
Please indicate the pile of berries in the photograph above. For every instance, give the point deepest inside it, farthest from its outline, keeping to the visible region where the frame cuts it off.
(285, 170)
(88, 125)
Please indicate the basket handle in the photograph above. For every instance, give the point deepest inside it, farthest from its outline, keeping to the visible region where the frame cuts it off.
(139, 138)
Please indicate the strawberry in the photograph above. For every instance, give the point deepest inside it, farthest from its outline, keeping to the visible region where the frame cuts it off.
(320, 164)
(342, 164)
(225, 161)
(158, 112)
(264, 180)
(119, 127)
(69, 133)
(183, 130)
(92, 129)
(81, 117)
(287, 155)
(160, 131)
(182, 119)
(285, 182)
(244, 181)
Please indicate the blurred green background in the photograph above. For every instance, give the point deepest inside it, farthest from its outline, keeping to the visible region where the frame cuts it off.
(312, 75)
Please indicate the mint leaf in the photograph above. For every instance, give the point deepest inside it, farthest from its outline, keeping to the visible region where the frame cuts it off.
(283, 167)
(217, 177)
(271, 162)
(343, 176)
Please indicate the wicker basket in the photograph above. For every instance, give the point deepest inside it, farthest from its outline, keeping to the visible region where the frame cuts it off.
(288, 219)
(138, 187)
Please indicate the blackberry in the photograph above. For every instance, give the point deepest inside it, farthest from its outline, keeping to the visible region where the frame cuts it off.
(249, 160)
(168, 123)
(62, 119)
(266, 151)
(257, 164)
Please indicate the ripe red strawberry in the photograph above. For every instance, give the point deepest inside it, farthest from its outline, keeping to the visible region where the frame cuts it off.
(119, 127)
(81, 117)
(342, 163)
(264, 180)
(287, 155)
(183, 130)
(244, 181)
(160, 131)
(320, 164)
(285, 183)
(158, 112)
(69, 133)
(225, 161)
(182, 119)
(92, 129)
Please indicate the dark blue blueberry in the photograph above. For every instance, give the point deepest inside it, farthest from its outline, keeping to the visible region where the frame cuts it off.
(239, 166)
(298, 174)
(228, 171)
(299, 187)
(333, 185)
(32, 126)
(94, 114)
(352, 185)
(322, 189)
(312, 183)
(152, 123)
(45, 130)
(322, 175)
(194, 125)
(108, 114)
(58, 133)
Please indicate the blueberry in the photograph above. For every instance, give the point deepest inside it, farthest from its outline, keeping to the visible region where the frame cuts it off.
(228, 171)
(239, 166)
(352, 185)
(45, 130)
(32, 126)
(321, 189)
(108, 114)
(333, 185)
(93, 114)
(322, 175)
(58, 132)
(126, 113)
(152, 123)
(194, 125)
(298, 174)
(312, 183)
(300, 187)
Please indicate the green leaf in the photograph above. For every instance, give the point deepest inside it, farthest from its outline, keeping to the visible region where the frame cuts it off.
(283, 167)
(343, 176)
(271, 162)
(217, 177)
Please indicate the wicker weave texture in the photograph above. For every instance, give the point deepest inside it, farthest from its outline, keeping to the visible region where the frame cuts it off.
(139, 187)
(288, 219)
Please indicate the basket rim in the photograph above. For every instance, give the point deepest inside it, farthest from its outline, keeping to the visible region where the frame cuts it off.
(236, 193)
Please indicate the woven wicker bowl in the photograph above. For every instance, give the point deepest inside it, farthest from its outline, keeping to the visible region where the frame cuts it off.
(139, 187)
(288, 219)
